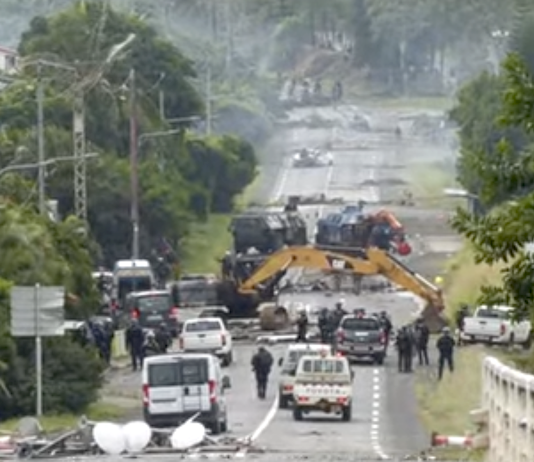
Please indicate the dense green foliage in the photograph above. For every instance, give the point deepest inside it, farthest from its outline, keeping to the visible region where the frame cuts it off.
(176, 185)
(497, 161)
(37, 250)
(183, 176)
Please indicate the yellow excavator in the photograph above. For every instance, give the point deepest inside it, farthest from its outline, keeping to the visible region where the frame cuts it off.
(242, 295)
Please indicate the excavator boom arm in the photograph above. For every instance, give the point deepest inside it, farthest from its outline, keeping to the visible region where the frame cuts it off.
(307, 258)
(374, 262)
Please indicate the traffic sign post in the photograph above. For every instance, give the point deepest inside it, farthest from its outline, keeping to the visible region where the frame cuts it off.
(37, 312)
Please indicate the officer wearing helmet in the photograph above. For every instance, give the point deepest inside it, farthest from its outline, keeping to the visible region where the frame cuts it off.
(302, 325)
(338, 313)
(445, 346)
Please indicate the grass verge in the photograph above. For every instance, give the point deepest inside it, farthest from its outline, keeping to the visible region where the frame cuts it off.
(444, 406)
(209, 240)
(59, 422)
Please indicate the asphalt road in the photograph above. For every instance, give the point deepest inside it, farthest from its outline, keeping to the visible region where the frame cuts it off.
(384, 423)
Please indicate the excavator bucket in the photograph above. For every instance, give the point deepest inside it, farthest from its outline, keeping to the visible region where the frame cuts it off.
(433, 318)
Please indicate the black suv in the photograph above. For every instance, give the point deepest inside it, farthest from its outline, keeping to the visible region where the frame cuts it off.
(360, 336)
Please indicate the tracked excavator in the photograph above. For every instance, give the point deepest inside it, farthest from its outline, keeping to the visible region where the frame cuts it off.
(243, 295)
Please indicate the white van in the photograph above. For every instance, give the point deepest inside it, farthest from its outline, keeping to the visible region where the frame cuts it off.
(178, 386)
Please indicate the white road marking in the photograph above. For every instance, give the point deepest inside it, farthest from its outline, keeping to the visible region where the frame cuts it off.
(375, 419)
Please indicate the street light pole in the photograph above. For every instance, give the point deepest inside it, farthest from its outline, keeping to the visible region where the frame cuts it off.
(134, 165)
(208, 101)
(41, 142)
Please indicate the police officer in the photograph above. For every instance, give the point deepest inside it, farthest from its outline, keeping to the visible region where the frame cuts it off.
(445, 346)
(163, 338)
(386, 324)
(302, 327)
(323, 322)
(134, 344)
(338, 313)
(261, 364)
(422, 335)
(404, 349)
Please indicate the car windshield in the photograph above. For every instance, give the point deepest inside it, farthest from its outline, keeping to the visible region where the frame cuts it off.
(180, 372)
(323, 366)
(196, 293)
(203, 326)
(154, 303)
(491, 314)
(360, 324)
(293, 359)
(133, 284)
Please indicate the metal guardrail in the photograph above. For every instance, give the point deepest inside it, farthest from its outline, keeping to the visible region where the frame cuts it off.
(508, 396)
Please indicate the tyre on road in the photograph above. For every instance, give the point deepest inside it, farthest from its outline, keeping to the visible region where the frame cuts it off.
(346, 413)
(297, 413)
(379, 359)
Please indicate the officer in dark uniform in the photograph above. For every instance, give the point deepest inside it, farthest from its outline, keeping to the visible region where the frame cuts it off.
(324, 323)
(163, 338)
(445, 346)
(262, 363)
(386, 324)
(422, 335)
(134, 343)
(302, 327)
(405, 349)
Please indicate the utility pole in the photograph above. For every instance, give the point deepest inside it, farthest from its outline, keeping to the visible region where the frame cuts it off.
(134, 180)
(80, 162)
(41, 141)
(208, 101)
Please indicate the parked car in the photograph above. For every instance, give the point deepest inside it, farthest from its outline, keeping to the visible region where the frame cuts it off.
(494, 325)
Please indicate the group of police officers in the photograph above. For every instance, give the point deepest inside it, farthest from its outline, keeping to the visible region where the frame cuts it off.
(410, 341)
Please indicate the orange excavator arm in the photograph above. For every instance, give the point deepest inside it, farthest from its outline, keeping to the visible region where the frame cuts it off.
(390, 218)
(375, 262)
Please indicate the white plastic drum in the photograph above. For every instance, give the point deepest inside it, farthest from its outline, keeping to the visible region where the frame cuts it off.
(109, 438)
(188, 435)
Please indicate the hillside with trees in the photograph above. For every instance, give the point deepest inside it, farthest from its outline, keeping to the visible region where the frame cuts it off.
(184, 177)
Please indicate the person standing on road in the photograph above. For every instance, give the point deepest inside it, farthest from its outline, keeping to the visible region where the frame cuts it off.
(422, 336)
(324, 324)
(302, 327)
(386, 324)
(163, 338)
(404, 349)
(262, 363)
(445, 346)
(134, 344)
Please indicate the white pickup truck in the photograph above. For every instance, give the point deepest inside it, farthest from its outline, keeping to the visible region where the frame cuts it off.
(207, 335)
(493, 325)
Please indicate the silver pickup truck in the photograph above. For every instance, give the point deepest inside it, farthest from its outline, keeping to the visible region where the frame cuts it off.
(361, 337)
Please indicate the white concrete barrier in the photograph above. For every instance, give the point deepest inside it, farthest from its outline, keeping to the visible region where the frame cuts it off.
(118, 347)
(508, 395)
